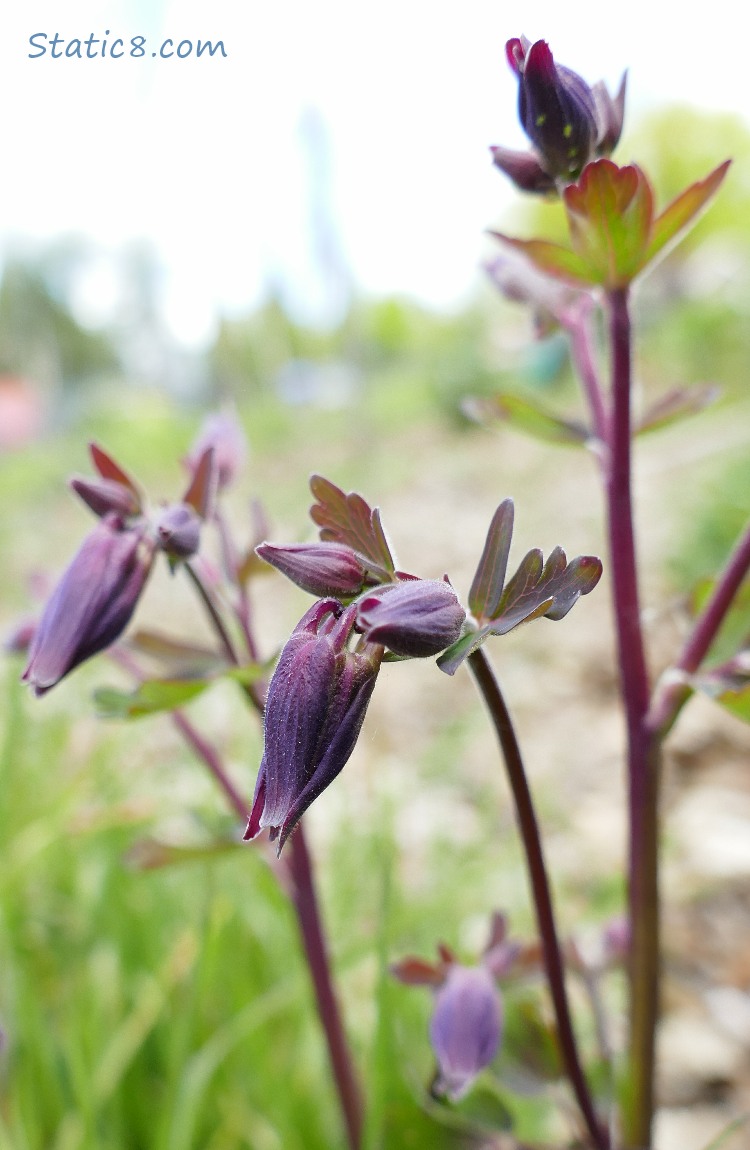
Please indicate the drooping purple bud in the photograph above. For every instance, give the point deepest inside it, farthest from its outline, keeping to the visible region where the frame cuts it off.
(178, 530)
(324, 569)
(316, 703)
(223, 433)
(93, 602)
(416, 618)
(465, 1027)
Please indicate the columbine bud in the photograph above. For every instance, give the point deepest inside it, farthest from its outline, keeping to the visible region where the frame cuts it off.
(223, 433)
(465, 1027)
(178, 529)
(417, 618)
(316, 703)
(568, 122)
(324, 569)
(93, 602)
(105, 495)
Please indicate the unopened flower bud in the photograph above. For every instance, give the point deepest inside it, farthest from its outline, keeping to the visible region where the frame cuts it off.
(316, 703)
(223, 433)
(465, 1028)
(178, 530)
(324, 569)
(105, 495)
(93, 602)
(416, 618)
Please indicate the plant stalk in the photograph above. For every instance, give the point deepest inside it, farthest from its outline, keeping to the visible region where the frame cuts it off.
(542, 897)
(643, 748)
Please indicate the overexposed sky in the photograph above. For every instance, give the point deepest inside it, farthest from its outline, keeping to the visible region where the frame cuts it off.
(210, 158)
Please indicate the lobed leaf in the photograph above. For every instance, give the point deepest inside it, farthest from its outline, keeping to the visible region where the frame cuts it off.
(610, 212)
(349, 519)
(553, 259)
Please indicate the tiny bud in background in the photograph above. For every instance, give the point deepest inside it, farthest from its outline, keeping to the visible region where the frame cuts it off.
(323, 569)
(223, 433)
(178, 531)
(316, 703)
(416, 618)
(465, 1028)
(93, 602)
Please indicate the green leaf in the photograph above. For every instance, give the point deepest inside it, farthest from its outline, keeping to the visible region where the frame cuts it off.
(184, 660)
(153, 854)
(149, 698)
(553, 259)
(526, 416)
(452, 658)
(684, 210)
(728, 685)
(675, 405)
(349, 519)
(487, 585)
(610, 211)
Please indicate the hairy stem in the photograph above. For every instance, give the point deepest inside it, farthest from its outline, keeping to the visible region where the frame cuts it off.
(643, 750)
(532, 843)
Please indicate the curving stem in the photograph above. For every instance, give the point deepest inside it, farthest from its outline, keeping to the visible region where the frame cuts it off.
(542, 897)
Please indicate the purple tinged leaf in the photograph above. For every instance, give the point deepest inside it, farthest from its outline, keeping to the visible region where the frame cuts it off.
(610, 212)
(684, 210)
(487, 585)
(531, 418)
(108, 469)
(552, 259)
(417, 972)
(675, 405)
(350, 520)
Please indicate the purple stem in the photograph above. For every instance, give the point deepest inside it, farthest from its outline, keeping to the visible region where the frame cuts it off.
(643, 751)
(542, 897)
(305, 901)
(675, 690)
(577, 323)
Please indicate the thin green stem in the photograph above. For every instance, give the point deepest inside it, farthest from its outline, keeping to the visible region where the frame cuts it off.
(542, 896)
(643, 750)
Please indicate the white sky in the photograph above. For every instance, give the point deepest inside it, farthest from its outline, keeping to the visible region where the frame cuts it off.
(206, 158)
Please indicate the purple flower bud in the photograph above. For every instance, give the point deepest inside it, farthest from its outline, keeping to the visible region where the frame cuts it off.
(568, 122)
(178, 529)
(324, 569)
(316, 703)
(93, 602)
(417, 618)
(465, 1027)
(556, 108)
(523, 169)
(223, 433)
(105, 495)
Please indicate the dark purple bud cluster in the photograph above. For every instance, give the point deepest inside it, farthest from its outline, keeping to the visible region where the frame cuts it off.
(568, 122)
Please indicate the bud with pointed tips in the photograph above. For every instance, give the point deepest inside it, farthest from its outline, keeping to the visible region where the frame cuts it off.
(323, 569)
(93, 602)
(105, 495)
(416, 618)
(317, 699)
